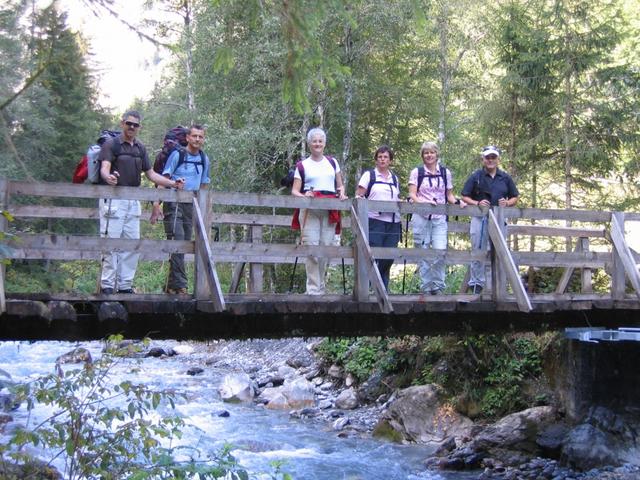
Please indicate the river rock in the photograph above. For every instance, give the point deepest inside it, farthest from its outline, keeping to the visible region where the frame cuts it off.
(8, 402)
(183, 349)
(340, 423)
(604, 438)
(155, 352)
(302, 359)
(418, 414)
(285, 371)
(195, 371)
(271, 381)
(349, 380)
(347, 400)
(371, 390)
(77, 355)
(293, 395)
(236, 387)
(335, 371)
(518, 431)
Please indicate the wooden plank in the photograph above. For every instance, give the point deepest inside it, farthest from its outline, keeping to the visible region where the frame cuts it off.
(623, 254)
(45, 211)
(256, 271)
(97, 244)
(4, 202)
(278, 201)
(504, 257)
(73, 190)
(551, 231)
(563, 259)
(236, 276)
(364, 256)
(594, 216)
(586, 285)
(204, 255)
(361, 269)
(450, 257)
(260, 219)
(498, 275)
(563, 283)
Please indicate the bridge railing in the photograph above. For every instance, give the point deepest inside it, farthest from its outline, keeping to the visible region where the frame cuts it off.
(604, 230)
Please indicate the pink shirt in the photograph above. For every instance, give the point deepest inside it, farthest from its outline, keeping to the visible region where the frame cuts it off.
(432, 187)
(385, 191)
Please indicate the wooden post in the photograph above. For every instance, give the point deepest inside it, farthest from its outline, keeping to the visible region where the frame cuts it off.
(617, 275)
(503, 257)
(4, 205)
(367, 261)
(585, 276)
(256, 271)
(204, 259)
(623, 261)
(498, 277)
(361, 285)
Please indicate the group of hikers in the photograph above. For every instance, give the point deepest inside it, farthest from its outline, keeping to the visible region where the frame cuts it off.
(319, 176)
(123, 158)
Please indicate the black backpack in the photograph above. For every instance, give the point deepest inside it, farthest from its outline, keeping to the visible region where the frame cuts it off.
(373, 180)
(174, 138)
(422, 174)
(287, 180)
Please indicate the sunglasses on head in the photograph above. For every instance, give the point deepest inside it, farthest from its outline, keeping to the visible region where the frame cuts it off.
(131, 124)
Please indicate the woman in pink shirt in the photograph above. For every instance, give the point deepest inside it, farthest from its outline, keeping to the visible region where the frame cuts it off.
(432, 184)
(385, 228)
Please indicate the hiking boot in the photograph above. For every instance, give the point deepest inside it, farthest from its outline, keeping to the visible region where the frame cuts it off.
(126, 290)
(106, 291)
(475, 289)
(437, 291)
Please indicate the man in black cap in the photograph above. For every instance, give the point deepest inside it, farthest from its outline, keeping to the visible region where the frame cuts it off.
(487, 186)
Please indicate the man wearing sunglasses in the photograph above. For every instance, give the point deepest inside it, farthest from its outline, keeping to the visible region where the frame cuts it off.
(488, 186)
(123, 159)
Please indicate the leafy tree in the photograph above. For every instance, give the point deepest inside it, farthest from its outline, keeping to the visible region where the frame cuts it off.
(102, 429)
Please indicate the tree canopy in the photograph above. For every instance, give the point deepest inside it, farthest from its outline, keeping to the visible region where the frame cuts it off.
(554, 83)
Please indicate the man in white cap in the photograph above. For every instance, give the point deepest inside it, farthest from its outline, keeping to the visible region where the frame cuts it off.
(487, 186)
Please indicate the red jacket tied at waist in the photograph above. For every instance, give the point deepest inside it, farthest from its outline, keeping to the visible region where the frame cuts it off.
(334, 215)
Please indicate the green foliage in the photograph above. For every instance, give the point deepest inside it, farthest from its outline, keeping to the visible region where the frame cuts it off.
(101, 429)
(359, 356)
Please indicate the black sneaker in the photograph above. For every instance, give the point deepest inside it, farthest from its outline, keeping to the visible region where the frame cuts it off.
(106, 291)
(126, 290)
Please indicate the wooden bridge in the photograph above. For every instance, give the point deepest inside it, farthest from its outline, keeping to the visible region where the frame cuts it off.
(593, 246)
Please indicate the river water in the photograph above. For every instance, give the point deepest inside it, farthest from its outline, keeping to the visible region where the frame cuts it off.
(310, 450)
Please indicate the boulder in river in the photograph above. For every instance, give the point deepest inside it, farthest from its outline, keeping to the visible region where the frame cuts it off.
(419, 414)
(293, 395)
(237, 387)
(77, 355)
(347, 400)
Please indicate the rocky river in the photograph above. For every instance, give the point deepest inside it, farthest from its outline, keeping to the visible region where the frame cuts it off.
(272, 401)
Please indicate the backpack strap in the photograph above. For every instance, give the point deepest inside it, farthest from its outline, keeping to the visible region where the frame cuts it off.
(300, 168)
(373, 180)
(422, 173)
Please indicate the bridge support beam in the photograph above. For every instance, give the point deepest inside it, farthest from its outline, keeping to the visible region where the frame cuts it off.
(623, 261)
(4, 204)
(366, 267)
(503, 262)
(205, 266)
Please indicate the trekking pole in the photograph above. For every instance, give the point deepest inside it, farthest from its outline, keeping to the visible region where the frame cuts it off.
(406, 245)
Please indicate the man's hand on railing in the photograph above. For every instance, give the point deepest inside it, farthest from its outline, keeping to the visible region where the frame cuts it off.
(156, 214)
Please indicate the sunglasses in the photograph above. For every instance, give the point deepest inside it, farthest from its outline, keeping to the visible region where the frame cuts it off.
(490, 157)
(131, 124)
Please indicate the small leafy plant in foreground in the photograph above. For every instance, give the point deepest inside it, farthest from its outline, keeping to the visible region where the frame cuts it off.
(101, 429)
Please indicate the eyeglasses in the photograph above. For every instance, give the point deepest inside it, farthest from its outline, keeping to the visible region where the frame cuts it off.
(131, 124)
